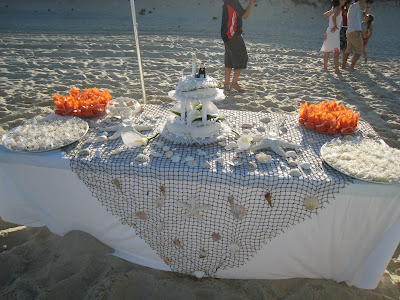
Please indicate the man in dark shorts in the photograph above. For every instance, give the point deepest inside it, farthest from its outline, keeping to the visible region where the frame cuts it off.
(231, 33)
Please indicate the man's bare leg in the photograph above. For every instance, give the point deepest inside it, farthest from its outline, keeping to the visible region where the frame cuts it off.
(235, 85)
(227, 83)
(345, 57)
(354, 61)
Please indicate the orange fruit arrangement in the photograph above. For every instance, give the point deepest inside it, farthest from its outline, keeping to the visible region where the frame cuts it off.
(328, 117)
(82, 104)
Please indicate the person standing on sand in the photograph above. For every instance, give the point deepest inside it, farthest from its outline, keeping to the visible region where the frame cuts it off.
(332, 35)
(366, 32)
(231, 32)
(354, 39)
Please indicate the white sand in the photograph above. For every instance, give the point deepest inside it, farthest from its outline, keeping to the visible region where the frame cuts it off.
(49, 47)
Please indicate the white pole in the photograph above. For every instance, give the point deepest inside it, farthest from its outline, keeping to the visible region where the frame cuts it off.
(138, 49)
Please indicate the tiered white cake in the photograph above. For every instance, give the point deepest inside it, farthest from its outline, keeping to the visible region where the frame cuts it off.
(195, 117)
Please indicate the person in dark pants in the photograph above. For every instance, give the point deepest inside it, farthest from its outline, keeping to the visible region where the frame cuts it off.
(231, 32)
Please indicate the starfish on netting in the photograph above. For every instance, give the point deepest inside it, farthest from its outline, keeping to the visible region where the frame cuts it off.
(193, 210)
(119, 128)
(275, 145)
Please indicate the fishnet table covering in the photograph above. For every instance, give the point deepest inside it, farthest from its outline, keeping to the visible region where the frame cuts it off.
(199, 219)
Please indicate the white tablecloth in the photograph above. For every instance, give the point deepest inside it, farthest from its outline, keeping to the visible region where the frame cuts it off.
(352, 239)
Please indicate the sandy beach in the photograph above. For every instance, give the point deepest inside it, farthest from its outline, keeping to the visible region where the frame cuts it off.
(50, 47)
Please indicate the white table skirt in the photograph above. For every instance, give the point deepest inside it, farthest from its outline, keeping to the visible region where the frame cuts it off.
(351, 240)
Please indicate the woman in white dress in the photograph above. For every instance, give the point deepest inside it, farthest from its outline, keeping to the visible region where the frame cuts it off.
(332, 36)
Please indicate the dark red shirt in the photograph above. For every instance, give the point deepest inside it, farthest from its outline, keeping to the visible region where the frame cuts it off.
(232, 13)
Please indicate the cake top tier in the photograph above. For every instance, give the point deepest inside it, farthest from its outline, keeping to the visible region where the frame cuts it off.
(190, 83)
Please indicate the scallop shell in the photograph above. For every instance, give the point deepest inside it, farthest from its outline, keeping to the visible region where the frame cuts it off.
(263, 158)
(105, 133)
(247, 125)
(159, 144)
(311, 203)
(220, 160)
(175, 158)
(292, 154)
(84, 152)
(116, 152)
(192, 163)
(234, 247)
(295, 173)
(90, 140)
(305, 166)
(199, 274)
(238, 211)
(166, 148)
(169, 154)
(98, 153)
(216, 237)
(205, 165)
(142, 158)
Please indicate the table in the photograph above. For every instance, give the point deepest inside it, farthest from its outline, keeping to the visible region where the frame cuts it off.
(350, 237)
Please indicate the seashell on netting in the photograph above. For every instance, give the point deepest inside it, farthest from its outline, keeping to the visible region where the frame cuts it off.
(175, 158)
(311, 202)
(177, 243)
(203, 253)
(142, 158)
(83, 152)
(191, 163)
(201, 153)
(166, 261)
(251, 165)
(169, 154)
(90, 140)
(188, 158)
(156, 154)
(268, 197)
(292, 162)
(295, 173)
(238, 211)
(261, 128)
(292, 154)
(141, 215)
(116, 152)
(205, 165)
(236, 162)
(263, 158)
(98, 153)
(101, 139)
(216, 237)
(234, 247)
(265, 120)
(305, 166)
(104, 133)
(247, 125)
(166, 148)
(117, 184)
(199, 274)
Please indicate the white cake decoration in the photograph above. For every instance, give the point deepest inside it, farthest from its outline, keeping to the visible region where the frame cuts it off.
(195, 118)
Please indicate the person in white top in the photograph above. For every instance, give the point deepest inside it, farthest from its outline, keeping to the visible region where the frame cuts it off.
(332, 35)
(354, 40)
